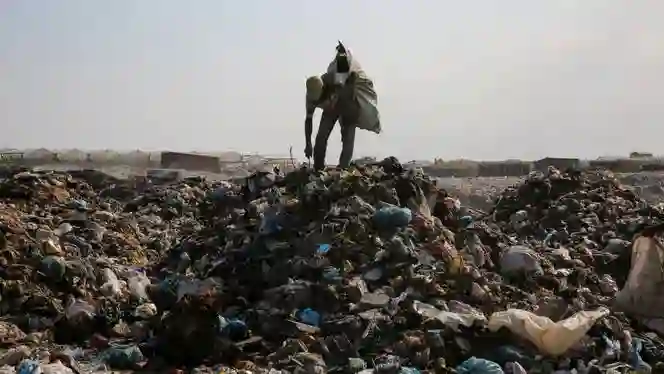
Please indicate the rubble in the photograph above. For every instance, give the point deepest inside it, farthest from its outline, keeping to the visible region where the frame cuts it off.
(375, 269)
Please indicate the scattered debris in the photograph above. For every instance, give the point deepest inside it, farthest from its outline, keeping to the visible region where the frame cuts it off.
(375, 269)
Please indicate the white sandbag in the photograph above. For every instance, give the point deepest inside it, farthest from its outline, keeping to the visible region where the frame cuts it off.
(366, 96)
(643, 293)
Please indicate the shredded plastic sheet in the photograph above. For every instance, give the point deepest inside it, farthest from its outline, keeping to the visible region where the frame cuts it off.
(460, 315)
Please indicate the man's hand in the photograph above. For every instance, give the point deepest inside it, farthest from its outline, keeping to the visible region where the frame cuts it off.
(308, 151)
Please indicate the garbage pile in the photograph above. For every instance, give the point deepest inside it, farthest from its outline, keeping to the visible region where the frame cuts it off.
(478, 192)
(649, 185)
(374, 269)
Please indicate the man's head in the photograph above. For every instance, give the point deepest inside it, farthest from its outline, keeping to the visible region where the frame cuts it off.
(314, 88)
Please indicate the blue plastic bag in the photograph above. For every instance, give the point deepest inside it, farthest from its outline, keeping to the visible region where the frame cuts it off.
(476, 365)
(235, 329)
(309, 316)
(466, 221)
(323, 248)
(391, 217)
(123, 357)
(635, 359)
(332, 275)
(270, 223)
(53, 267)
(28, 367)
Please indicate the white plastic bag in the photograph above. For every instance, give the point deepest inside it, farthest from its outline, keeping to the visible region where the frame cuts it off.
(77, 307)
(56, 368)
(111, 286)
(553, 338)
(517, 259)
(138, 283)
(145, 311)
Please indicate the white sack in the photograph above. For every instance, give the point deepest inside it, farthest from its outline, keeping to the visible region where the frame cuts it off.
(366, 96)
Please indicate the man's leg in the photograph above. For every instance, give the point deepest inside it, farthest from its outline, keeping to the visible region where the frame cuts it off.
(347, 143)
(349, 114)
(327, 120)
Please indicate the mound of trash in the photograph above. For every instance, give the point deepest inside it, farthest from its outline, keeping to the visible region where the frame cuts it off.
(374, 269)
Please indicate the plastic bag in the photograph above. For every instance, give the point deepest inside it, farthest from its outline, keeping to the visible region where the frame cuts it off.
(111, 286)
(270, 222)
(616, 246)
(6, 369)
(461, 314)
(309, 316)
(515, 368)
(122, 357)
(98, 230)
(77, 307)
(29, 367)
(53, 267)
(642, 295)
(138, 283)
(34, 367)
(145, 311)
(553, 338)
(635, 359)
(56, 368)
(392, 216)
(476, 365)
(520, 259)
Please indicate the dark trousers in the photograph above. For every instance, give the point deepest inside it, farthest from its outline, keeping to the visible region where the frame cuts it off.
(327, 121)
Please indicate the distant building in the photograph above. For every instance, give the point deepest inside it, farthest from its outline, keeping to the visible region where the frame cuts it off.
(619, 165)
(508, 168)
(229, 157)
(636, 162)
(189, 161)
(438, 171)
(560, 163)
(640, 155)
(11, 156)
(653, 166)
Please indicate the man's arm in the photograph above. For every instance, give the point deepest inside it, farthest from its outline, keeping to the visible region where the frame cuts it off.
(308, 126)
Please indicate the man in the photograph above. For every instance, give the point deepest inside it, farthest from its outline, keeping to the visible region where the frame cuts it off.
(338, 103)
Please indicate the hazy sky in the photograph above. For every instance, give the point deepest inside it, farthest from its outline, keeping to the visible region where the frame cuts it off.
(481, 79)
